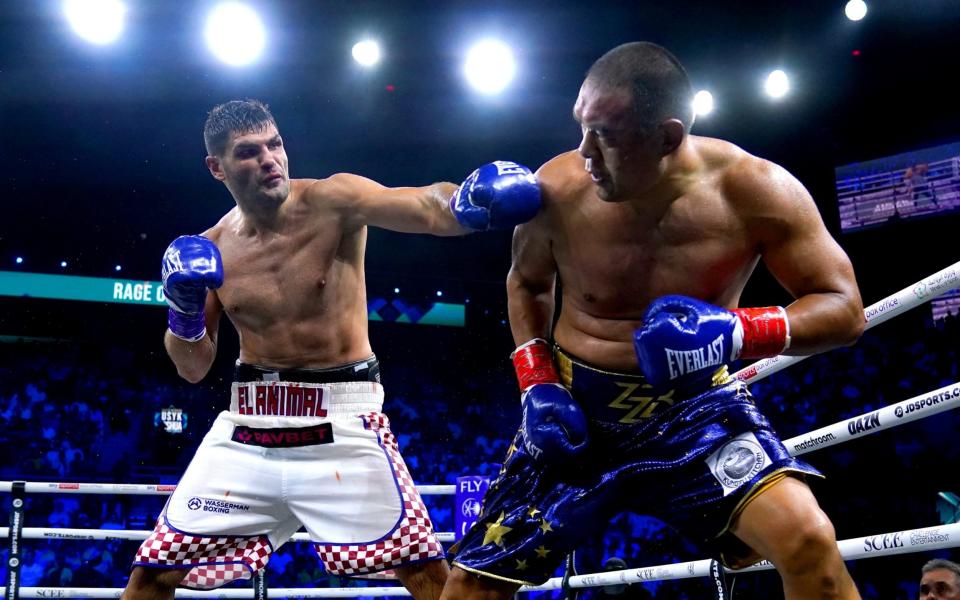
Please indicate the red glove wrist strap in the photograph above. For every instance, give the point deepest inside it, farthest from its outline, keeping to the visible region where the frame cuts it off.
(533, 363)
(766, 331)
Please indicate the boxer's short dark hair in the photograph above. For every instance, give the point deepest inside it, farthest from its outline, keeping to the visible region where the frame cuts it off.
(236, 116)
(658, 82)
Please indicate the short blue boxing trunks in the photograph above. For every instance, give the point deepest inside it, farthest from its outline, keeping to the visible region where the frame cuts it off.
(692, 462)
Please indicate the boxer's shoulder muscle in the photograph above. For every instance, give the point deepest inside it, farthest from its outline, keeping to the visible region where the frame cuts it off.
(563, 180)
(756, 187)
(222, 228)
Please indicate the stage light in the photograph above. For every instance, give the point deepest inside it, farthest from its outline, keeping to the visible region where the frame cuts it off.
(97, 21)
(19, 260)
(855, 10)
(117, 268)
(63, 264)
(235, 33)
(367, 53)
(439, 293)
(490, 66)
(777, 84)
(703, 103)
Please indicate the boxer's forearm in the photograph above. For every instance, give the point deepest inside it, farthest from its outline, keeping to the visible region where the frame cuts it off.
(443, 223)
(821, 322)
(192, 359)
(530, 308)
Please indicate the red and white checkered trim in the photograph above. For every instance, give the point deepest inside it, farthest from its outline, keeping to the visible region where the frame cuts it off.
(412, 541)
(215, 560)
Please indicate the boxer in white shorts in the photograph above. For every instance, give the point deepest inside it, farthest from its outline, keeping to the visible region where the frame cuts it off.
(318, 444)
(305, 441)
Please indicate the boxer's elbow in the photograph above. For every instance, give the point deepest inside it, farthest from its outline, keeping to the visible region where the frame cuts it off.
(192, 359)
(192, 374)
(854, 323)
(853, 333)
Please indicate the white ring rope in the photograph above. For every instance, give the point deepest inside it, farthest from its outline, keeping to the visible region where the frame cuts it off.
(66, 533)
(48, 593)
(870, 546)
(909, 297)
(912, 409)
(905, 411)
(41, 487)
(901, 542)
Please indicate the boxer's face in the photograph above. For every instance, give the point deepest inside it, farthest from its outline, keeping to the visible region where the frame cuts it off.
(620, 158)
(940, 584)
(254, 166)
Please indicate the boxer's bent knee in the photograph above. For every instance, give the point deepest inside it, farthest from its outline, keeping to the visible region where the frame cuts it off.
(463, 584)
(152, 583)
(424, 580)
(811, 547)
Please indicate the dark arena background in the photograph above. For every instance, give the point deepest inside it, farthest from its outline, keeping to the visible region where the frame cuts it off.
(102, 166)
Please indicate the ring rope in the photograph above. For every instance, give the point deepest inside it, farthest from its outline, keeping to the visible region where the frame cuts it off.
(46, 593)
(905, 411)
(909, 297)
(901, 542)
(66, 533)
(912, 409)
(43, 487)
(870, 546)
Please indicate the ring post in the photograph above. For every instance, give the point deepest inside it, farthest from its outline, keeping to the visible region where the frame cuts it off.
(18, 492)
(260, 584)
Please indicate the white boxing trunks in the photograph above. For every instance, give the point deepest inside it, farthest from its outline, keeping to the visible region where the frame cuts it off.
(292, 453)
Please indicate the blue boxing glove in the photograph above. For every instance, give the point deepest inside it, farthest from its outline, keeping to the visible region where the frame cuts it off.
(684, 340)
(498, 195)
(191, 265)
(554, 426)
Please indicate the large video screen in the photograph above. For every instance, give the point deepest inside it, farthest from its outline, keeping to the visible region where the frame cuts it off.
(903, 186)
(947, 305)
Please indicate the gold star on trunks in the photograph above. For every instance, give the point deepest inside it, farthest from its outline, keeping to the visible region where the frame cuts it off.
(533, 511)
(542, 552)
(496, 531)
(545, 526)
(521, 565)
(513, 448)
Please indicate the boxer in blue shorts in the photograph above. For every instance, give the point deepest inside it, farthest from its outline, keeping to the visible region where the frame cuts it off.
(649, 235)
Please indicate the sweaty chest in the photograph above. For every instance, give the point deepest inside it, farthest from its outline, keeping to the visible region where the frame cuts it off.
(616, 263)
(283, 274)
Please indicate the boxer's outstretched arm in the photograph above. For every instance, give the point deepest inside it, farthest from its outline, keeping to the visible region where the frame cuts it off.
(194, 359)
(796, 247)
(531, 282)
(497, 195)
(363, 201)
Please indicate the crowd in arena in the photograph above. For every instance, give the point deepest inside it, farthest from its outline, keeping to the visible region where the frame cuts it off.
(89, 413)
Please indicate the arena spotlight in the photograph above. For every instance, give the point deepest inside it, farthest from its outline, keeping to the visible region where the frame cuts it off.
(19, 260)
(777, 84)
(490, 66)
(63, 264)
(97, 21)
(117, 268)
(439, 293)
(366, 53)
(855, 10)
(235, 33)
(703, 103)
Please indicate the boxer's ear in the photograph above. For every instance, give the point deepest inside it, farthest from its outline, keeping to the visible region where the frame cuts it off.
(215, 168)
